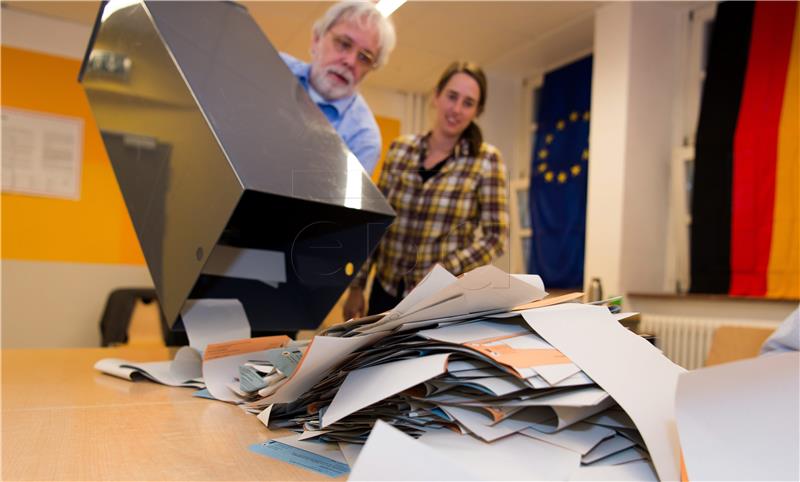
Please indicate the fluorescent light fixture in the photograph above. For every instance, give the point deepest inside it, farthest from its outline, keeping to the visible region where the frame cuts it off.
(115, 6)
(386, 7)
(353, 193)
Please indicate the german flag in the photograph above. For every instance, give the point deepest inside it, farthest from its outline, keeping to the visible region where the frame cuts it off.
(745, 239)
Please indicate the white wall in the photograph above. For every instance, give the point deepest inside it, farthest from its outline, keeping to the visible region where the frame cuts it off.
(500, 126)
(637, 65)
(51, 305)
(44, 34)
(607, 138)
(656, 35)
(407, 107)
(548, 51)
(501, 117)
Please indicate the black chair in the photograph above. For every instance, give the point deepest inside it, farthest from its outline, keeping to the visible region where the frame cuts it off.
(116, 319)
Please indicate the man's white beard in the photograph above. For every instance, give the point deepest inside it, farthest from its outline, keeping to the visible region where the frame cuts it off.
(329, 88)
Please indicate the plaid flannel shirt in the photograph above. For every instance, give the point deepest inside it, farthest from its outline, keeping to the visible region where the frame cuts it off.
(458, 217)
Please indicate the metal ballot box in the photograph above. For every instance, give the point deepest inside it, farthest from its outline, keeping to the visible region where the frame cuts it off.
(236, 183)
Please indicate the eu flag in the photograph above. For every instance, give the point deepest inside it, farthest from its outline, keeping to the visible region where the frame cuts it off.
(559, 171)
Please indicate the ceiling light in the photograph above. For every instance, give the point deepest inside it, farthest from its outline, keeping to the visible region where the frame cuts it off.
(386, 7)
(115, 6)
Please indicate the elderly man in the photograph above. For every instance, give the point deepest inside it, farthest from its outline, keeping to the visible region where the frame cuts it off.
(348, 42)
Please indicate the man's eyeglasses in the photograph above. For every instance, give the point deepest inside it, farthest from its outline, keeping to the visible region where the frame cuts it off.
(344, 44)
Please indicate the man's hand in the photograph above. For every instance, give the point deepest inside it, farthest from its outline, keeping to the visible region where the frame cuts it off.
(354, 306)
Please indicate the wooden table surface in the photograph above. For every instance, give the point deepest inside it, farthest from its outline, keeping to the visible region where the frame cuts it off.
(63, 420)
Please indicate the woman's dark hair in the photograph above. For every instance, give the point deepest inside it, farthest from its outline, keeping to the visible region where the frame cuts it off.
(472, 133)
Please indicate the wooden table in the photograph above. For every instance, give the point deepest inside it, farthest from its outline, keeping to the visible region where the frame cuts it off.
(62, 420)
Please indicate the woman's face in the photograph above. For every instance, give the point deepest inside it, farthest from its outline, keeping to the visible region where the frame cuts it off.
(457, 104)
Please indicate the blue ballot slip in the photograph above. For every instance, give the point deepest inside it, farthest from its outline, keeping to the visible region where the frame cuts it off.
(302, 458)
(204, 393)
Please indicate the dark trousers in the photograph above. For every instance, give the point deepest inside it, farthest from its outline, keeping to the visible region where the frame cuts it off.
(380, 300)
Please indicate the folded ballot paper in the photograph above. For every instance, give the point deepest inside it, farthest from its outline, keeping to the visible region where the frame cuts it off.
(482, 377)
(221, 356)
(206, 322)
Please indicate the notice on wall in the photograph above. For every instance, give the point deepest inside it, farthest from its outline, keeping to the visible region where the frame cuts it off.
(41, 153)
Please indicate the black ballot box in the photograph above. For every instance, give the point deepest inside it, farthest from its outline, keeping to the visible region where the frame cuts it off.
(236, 184)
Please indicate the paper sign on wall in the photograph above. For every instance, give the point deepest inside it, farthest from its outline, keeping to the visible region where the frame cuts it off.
(41, 153)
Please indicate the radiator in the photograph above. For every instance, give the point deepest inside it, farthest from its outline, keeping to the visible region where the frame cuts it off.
(686, 341)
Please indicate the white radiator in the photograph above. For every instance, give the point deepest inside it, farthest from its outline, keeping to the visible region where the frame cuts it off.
(686, 341)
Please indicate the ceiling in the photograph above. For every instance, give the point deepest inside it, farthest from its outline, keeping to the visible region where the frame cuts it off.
(430, 34)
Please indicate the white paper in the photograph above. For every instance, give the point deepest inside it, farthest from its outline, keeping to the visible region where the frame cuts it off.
(263, 415)
(481, 290)
(739, 421)
(262, 265)
(579, 397)
(515, 457)
(365, 386)
(116, 367)
(606, 448)
(187, 364)
(481, 424)
(159, 372)
(628, 455)
(638, 376)
(641, 471)
(41, 153)
(214, 321)
(580, 438)
(390, 454)
(566, 416)
(436, 280)
(475, 331)
(554, 374)
(484, 288)
(350, 452)
(323, 354)
(499, 386)
(612, 418)
(578, 379)
(531, 279)
(309, 434)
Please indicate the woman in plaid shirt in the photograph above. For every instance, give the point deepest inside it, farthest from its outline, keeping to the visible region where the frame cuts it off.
(448, 188)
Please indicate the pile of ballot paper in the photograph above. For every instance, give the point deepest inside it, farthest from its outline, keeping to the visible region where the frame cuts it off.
(488, 375)
(484, 377)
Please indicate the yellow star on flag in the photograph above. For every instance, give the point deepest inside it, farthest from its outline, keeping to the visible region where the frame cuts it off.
(560, 125)
(548, 138)
(586, 115)
(585, 155)
(576, 170)
(542, 167)
(573, 116)
(543, 154)
(562, 177)
(548, 176)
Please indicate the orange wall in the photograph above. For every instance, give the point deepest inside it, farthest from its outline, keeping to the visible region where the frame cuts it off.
(390, 129)
(95, 228)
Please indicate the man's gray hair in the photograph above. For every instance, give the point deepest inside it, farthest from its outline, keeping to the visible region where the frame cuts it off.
(365, 13)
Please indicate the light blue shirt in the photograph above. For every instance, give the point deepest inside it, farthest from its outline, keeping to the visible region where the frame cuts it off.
(350, 116)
